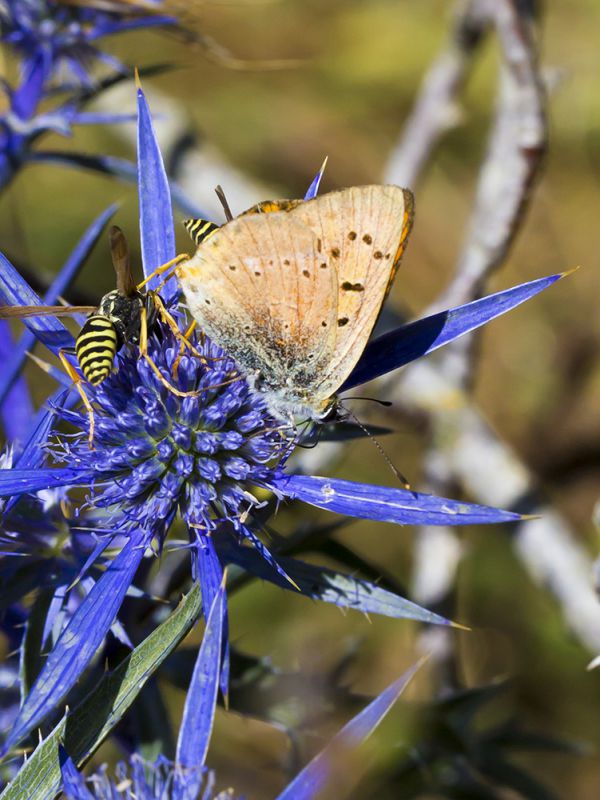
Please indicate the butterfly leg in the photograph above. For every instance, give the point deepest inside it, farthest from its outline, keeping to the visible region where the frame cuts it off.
(76, 378)
(144, 354)
(163, 268)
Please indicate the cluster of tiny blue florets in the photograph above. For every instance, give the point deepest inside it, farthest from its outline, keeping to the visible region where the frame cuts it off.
(159, 453)
(57, 46)
(67, 35)
(141, 780)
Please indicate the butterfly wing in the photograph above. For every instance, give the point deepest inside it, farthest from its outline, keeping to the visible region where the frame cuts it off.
(362, 231)
(293, 294)
(260, 289)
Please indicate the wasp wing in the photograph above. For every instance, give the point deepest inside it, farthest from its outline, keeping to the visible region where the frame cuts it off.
(9, 312)
(119, 251)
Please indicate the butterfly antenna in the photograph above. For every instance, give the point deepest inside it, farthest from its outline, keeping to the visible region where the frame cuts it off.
(223, 200)
(378, 445)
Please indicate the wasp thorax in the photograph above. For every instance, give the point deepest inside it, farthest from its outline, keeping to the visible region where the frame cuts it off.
(125, 314)
(117, 321)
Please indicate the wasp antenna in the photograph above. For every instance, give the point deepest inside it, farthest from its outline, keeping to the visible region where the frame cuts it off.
(223, 200)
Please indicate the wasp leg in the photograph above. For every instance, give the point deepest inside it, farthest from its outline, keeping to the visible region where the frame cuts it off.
(185, 342)
(76, 378)
(154, 368)
(163, 268)
(168, 320)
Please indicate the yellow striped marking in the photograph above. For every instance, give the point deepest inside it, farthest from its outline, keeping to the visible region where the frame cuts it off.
(105, 333)
(108, 345)
(200, 229)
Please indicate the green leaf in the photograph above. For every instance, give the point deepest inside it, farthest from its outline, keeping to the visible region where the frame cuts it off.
(83, 730)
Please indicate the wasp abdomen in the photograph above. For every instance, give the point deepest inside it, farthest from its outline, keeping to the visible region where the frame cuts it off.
(200, 229)
(96, 347)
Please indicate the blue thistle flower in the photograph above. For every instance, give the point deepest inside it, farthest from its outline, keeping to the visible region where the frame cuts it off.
(57, 44)
(63, 37)
(158, 453)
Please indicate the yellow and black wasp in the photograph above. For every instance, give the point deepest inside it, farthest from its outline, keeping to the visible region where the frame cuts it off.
(124, 316)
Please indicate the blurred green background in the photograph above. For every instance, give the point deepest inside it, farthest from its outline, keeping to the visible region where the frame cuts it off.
(538, 380)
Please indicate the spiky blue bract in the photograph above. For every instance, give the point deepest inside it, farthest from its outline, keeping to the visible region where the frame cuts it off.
(58, 47)
(321, 771)
(74, 786)
(313, 189)
(405, 344)
(14, 363)
(19, 481)
(385, 504)
(14, 291)
(157, 233)
(199, 710)
(16, 408)
(208, 570)
(79, 640)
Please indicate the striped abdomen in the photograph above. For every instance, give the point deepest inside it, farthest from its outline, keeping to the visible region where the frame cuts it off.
(96, 347)
(199, 229)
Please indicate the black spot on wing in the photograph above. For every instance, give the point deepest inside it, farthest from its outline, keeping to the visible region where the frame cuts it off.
(347, 286)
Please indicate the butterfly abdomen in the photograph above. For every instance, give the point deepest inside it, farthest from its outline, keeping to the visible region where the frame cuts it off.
(96, 347)
(200, 229)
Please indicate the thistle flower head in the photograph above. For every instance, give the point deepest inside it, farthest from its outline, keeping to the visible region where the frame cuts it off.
(64, 36)
(160, 453)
